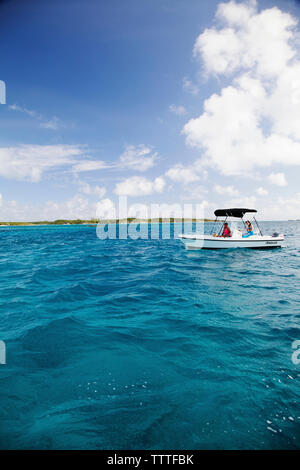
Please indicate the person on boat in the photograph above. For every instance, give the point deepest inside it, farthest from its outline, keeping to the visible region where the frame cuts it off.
(249, 229)
(226, 231)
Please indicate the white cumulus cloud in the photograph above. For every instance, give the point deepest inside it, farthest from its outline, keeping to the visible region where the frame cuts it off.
(255, 120)
(106, 209)
(76, 207)
(139, 186)
(86, 188)
(139, 158)
(278, 179)
(249, 40)
(226, 190)
(262, 191)
(182, 174)
(187, 174)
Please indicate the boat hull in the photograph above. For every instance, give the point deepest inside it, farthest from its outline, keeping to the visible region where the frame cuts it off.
(202, 242)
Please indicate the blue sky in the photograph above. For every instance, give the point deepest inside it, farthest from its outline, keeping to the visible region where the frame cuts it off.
(108, 98)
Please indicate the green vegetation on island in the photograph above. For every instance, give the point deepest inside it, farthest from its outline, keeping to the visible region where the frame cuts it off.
(102, 221)
(52, 222)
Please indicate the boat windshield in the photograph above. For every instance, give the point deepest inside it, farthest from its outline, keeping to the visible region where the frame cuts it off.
(238, 227)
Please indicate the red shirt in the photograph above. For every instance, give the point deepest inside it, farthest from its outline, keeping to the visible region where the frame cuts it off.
(226, 232)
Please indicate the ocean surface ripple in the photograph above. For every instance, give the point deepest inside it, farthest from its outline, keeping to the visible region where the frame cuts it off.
(140, 344)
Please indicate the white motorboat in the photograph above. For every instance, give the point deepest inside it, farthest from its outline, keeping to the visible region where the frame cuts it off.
(237, 239)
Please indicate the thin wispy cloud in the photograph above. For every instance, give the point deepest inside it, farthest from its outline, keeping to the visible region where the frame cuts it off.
(89, 165)
(29, 112)
(54, 123)
(30, 162)
(178, 110)
(190, 86)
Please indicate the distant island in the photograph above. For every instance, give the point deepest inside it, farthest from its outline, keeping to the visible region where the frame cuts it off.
(102, 221)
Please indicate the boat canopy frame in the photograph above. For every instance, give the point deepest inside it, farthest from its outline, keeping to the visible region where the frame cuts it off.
(235, 212)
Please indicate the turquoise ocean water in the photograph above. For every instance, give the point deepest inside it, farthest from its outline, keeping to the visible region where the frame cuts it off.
(140, 344)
